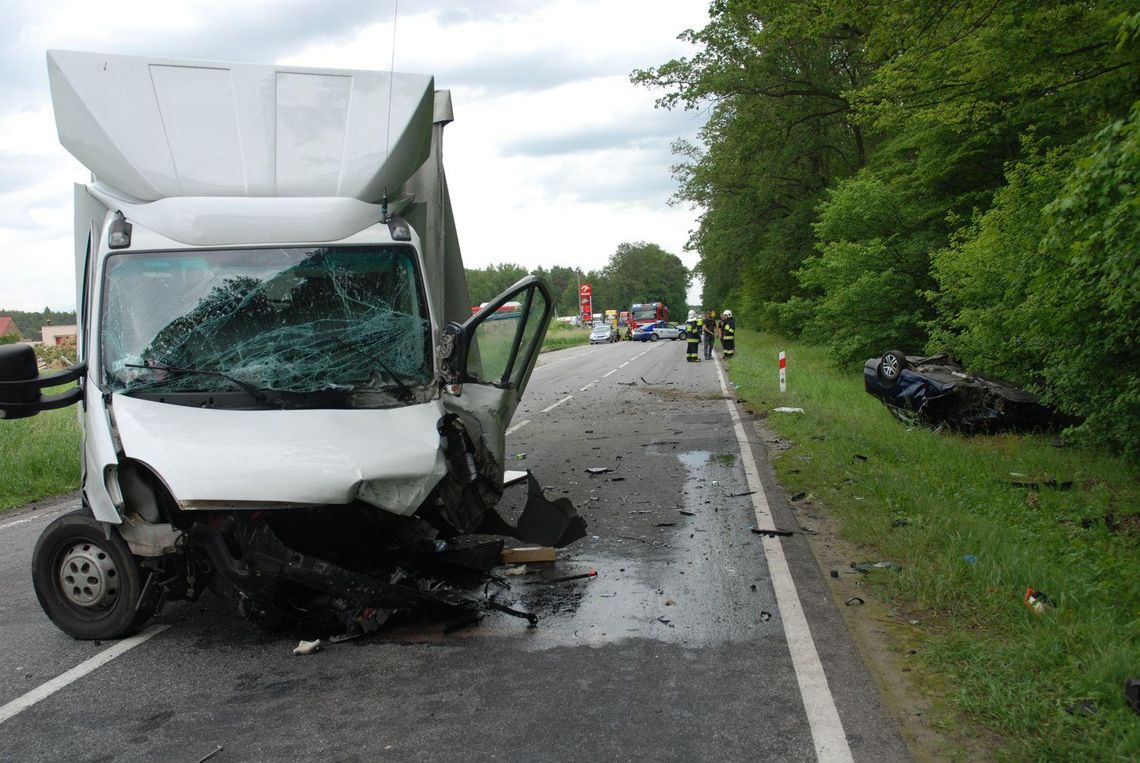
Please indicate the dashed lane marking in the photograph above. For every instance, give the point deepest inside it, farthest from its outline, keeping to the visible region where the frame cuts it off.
(550, 408)
(518, 426)
(43, 691)
(583, 389)
(607, 374)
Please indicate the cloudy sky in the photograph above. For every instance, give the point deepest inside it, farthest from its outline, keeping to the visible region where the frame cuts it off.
(554, 157)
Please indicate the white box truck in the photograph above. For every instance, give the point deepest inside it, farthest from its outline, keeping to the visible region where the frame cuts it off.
(281, 386)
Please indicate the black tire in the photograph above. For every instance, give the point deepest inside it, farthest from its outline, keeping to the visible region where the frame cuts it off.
(105, 579)
(653, 337)
(891, 366)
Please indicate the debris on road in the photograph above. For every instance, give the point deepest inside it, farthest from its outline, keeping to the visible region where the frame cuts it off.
(523, 554)
(306, 647)
(665, 524)
(765, 616)
(598, 469)
(513, 477)
(209, 755)
(799, 496)
(786, 409)
(854, 599)
(969, 559)
(866, 567)
(516, 571)
(686, 513)
(567, 578)
(771, 533)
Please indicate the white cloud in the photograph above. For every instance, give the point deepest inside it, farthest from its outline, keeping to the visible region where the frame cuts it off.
(554, 157)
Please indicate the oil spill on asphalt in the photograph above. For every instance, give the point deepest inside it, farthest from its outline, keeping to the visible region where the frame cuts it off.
(700, 582)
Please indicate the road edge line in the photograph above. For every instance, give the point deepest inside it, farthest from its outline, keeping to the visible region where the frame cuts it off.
(45, 690)
(822, 714)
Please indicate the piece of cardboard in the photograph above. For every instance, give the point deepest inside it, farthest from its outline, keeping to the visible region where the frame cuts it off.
(525, 554)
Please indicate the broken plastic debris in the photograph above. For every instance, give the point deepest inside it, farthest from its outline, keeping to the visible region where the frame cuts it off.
(520, 456)
(786, 409)
(765, 616)
(307, 647)
(513, 476)
(868, 566)
(855, 600)
(1132, 693)
(969, 559)
(1036, 600)
(520, 570)
(597, 469)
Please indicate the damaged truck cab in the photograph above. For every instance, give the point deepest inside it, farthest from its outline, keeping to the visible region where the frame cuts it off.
(280, 384)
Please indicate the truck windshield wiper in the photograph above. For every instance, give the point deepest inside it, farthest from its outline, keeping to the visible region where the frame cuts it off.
(257, 394)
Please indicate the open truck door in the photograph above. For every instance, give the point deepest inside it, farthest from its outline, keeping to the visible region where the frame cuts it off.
(487, 362)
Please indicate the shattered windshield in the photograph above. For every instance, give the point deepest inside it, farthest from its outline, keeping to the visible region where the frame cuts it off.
(296, 320)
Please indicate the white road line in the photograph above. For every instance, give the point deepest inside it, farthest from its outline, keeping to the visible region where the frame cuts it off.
(623, 365)
(43, 691)
(607, 374)
(823, 717)
(518, 426)
(25, 520)
(550, 408)
(583, 389)
(559, 360)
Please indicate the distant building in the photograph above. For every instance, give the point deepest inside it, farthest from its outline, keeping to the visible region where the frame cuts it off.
(8, 327)
(54, 336)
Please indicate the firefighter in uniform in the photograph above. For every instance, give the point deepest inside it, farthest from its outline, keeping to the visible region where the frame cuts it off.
(728, 334)
(692, 337)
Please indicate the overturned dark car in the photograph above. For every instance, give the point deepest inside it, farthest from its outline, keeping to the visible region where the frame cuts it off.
(936, 391)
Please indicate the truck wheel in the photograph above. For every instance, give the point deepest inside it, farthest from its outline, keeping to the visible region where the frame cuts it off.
(88, 585)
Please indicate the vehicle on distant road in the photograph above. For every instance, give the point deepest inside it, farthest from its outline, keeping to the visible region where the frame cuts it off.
(603, 334)
(642, 313)
(651, 332)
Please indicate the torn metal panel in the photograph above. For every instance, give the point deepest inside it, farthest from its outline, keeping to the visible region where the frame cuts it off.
(389, 458)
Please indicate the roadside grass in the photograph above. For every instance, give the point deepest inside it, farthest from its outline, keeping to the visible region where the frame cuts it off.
(560, 336)
(928, 501)
(39, 457)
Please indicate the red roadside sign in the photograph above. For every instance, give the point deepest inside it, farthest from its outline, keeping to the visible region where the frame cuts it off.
(586, 301)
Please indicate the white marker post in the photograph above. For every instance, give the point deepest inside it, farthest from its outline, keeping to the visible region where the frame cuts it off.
(783, 372)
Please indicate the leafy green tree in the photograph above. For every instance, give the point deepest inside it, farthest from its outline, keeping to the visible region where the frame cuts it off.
(484, 284)
(643, 272)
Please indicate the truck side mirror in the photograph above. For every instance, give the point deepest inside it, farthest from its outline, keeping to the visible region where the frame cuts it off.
(21, 382)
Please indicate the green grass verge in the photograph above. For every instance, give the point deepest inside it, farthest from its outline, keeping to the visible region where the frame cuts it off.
(39, 457)
(560, 336)
(927, 501)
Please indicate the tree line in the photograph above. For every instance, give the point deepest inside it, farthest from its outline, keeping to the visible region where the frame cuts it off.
(636, 272)
(29, 323)
(926, 175)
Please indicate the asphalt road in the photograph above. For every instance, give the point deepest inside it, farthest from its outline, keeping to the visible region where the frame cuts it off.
(696, 640)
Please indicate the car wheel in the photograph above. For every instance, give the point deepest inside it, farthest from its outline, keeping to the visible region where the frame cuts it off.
(89, 585)
(653, 337)
(891, 366)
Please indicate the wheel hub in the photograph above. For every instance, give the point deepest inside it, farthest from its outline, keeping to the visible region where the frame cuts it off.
(890, 366)
(88, 577)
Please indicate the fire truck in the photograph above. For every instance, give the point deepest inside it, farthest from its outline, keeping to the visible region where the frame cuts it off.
(641, 313)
